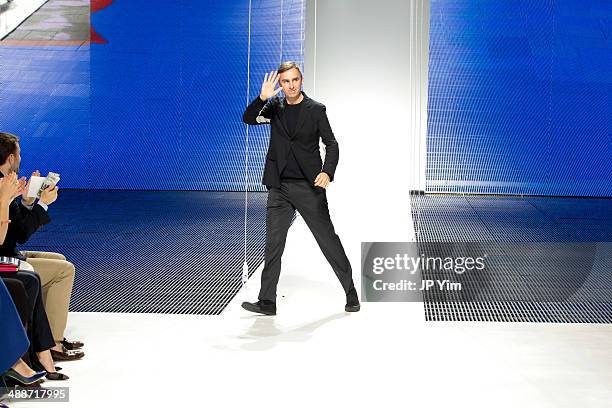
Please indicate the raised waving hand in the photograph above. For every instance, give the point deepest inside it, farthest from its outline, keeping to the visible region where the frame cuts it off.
(268, 87)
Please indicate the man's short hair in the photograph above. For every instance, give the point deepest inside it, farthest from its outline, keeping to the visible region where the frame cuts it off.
(287, 65)
(8, 145)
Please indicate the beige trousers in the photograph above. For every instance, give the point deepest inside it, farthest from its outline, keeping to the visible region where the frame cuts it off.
(56, 277)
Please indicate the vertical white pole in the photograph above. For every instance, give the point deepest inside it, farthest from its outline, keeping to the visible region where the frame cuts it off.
(281, 32)
(245, 265)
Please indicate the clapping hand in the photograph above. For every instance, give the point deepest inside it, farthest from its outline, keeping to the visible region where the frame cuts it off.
(268, 86)
(49, 195)
(10, 187)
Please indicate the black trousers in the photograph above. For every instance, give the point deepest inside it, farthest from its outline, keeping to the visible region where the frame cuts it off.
(311, 203)
(20, 298)
(39, 331)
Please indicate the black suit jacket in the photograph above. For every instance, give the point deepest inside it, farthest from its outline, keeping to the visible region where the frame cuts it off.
(312, 125)
(23, 224)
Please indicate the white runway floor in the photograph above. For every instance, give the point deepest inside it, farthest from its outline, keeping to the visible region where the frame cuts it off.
(312, 354)
(15, 12)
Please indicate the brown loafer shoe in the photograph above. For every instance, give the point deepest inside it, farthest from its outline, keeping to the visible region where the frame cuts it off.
(66, 355)
(72, 345)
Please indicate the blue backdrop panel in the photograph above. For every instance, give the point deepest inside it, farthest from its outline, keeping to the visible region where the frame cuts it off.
(44, 99)
(520, 97)
(169, 89)
(159, 105)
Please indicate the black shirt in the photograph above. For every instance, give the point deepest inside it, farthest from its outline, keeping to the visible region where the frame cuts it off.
(292, 170)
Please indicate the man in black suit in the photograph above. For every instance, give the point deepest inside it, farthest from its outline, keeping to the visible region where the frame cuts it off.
(296, 179)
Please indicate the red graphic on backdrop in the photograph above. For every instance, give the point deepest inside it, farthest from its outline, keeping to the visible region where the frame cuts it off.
(97, 5)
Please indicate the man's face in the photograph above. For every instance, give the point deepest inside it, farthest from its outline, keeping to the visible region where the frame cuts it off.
(15, 159)
(291, 82)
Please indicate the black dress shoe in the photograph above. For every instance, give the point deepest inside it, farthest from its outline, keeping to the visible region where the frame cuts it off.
(265, 307)
(352, 307)
(352, 301)
(56, 376)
